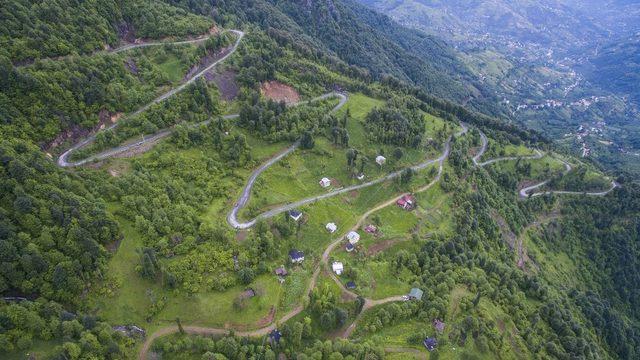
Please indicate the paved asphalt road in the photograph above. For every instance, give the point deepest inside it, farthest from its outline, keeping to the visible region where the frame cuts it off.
(63, 159)
(526, 191)
(232, 217)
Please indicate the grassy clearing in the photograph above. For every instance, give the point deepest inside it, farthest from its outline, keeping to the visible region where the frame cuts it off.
(371, 265)
(172, 62)
(217, 308)
(541, 169)
(374, 278)
(297, 175)
(38, 350)
(127, 298)
(295, 285)
(123, 298)
(497, 149)
(434, 207)
(172, 68)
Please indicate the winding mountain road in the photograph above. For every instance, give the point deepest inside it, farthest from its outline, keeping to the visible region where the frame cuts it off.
(63, 159)
(232, 218)
(324, 261)
(246, 193)
(483, 149)
(526, 192)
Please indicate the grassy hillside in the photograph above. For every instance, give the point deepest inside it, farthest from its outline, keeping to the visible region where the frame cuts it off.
(145, 238)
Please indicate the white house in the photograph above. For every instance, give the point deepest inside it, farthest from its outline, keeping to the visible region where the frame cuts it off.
(325, 182)
(381, 160)
(353, 237)
(331, 227)
(337, 267)
(360, 176)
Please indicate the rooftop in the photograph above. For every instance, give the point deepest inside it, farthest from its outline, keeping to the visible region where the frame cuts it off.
(416, 293)
(296, 254)
(430, 343)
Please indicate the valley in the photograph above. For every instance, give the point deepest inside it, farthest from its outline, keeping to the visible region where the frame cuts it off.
(539, 59)
(244, 183)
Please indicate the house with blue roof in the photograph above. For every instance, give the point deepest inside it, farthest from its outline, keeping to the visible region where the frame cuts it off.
(296, 256)
(295, 214)
(430, 343)
(415, 294)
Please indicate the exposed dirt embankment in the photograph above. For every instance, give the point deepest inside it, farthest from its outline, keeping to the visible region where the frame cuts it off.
(278, 91)
(76, 132)
(226, 83)
(206, 61)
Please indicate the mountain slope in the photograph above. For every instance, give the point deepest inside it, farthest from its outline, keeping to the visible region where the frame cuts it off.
(92, 253)
(362, 37)
(30, 30)
(617, 67)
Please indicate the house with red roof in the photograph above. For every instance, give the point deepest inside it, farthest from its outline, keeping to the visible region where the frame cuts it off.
(407, 202)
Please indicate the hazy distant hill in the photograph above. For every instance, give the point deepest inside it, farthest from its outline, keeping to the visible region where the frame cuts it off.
(617, 67)
(367, 39)
(546, 22)
(555, 64)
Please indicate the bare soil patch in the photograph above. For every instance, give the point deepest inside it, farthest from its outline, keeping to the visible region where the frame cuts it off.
(241, 235)
(267, 319)
(381, 246)
(507, 235)
(113, 247)
(226, 83)
(76, 132)
(131, 65)
(278, 91)
(206, 61)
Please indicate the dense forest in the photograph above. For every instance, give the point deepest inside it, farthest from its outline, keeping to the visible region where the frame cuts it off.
(50, 99)
(89, 254)
(53, 227)
(392, 126)
(32, 30)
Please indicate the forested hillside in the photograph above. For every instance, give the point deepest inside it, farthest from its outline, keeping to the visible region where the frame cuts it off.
(283, 179)
(362, 37)
(32, 30)
(617, 67)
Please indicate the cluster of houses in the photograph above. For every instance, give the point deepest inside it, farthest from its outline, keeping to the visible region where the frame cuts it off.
(430, 343)
(406, 202)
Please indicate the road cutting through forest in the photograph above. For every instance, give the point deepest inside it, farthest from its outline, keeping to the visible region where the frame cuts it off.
(246, 192)
(368, 303)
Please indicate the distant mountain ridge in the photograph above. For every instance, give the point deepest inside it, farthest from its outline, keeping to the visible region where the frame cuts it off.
(617, 67)
(567, 26)
(362, 37)
(555, 65)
